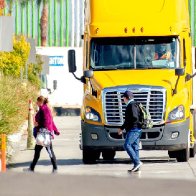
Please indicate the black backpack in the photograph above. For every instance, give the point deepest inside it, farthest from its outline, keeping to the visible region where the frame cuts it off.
(144, 117)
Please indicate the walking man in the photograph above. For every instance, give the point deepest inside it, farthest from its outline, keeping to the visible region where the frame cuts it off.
(133, 130)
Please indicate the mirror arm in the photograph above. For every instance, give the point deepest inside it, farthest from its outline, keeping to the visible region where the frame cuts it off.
(75, 76)
(94, 92)
(176, 85)
(188, 76)
(193, 75)
(82, 79)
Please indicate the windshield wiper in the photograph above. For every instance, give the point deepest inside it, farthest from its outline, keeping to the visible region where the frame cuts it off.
(113, 67)
(105, 68)
(156, 67)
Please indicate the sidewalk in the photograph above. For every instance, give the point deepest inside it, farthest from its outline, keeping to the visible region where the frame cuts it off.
(14, 141)
(62, 145)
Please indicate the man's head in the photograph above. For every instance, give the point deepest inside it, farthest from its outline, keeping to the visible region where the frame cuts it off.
(127, 95)
(163, 48)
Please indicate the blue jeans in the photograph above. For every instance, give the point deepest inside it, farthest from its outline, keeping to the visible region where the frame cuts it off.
(132, 145)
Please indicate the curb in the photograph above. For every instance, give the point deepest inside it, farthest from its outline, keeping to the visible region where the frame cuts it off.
(14, 141)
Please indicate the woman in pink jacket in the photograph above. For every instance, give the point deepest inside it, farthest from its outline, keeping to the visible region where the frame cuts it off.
(44, 121)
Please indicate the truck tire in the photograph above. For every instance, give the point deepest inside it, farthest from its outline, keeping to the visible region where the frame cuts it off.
(108, 154)
(183, 155)
(193, 151)
(90, 156)
(172, 154)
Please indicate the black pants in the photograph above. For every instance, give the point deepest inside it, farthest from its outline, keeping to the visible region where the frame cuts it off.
(37, 155)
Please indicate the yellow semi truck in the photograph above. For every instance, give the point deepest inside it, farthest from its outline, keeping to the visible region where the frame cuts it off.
(144, 46)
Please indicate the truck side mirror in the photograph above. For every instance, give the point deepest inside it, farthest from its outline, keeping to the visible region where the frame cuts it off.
(179, 71)
(71, 61)
(88, 73)
(54, 84)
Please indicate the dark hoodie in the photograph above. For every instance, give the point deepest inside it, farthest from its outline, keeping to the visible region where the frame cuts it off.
(131, 117)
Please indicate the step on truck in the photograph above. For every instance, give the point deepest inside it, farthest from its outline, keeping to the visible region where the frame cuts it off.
(144, 46)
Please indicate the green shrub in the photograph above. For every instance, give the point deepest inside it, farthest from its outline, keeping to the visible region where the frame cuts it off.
(14, 63)
(14, 93)
(14, 99)
(11, 63)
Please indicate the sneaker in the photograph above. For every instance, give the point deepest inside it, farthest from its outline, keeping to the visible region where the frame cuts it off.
(137, 167)
(54, 171)
(28, 170)
(131, 170)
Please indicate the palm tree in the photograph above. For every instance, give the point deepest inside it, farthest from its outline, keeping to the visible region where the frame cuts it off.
(44, 21)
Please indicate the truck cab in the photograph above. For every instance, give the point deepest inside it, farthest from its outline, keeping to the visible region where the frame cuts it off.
(143, 46)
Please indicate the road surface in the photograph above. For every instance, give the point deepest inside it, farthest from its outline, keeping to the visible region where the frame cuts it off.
(159, 174)
(156, 164)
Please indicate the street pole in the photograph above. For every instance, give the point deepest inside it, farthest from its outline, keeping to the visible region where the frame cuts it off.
(30, 126)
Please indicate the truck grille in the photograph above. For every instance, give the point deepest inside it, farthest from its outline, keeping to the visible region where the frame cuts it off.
(152, 99)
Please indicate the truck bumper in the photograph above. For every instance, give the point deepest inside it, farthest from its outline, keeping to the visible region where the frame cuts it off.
(158, 138)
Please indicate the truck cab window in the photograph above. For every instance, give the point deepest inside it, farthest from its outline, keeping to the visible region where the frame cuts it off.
(134, 53)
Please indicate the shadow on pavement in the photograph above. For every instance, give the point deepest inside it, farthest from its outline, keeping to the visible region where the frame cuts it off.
(145, 160)
(47, 163)
(64, 162)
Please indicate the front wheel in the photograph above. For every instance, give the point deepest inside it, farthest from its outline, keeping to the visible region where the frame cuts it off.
(172, 154)
(193, 151)
(183, 155)
(90, 156)
(108, 154)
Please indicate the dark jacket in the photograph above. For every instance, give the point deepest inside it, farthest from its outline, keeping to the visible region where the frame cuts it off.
(131, 117)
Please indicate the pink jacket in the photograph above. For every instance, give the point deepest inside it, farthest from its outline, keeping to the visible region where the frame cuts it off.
(45, 120)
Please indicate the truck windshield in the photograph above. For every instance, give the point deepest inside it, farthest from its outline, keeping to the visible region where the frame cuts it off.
(134, 53)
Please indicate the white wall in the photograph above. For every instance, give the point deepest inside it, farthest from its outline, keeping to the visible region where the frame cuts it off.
(69, 91)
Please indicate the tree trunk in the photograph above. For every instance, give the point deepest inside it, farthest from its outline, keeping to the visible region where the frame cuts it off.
(10, 6)
(44, 25)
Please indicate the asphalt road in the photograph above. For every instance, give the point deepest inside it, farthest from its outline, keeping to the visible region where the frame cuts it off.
(25, 184)
(159, 174)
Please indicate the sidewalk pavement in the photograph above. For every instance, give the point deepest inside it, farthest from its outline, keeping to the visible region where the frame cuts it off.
(14, 141)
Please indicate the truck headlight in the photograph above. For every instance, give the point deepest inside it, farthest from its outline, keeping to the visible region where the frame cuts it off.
(176, 114)
(91, 114)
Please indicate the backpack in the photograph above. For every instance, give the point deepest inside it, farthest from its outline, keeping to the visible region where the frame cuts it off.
(144, 117)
